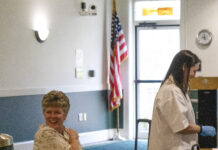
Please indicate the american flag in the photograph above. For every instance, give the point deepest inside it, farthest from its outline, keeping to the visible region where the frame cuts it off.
(117, 55)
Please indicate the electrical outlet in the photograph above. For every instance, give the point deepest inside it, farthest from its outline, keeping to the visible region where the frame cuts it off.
(80, 117)
(85, 116)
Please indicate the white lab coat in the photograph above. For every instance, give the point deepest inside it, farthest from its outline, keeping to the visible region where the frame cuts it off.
(172, 113)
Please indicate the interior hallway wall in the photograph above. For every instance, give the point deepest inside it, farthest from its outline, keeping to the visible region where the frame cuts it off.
(30, 67)
(198, 15)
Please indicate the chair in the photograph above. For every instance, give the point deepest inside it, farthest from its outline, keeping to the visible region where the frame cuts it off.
(136, 133)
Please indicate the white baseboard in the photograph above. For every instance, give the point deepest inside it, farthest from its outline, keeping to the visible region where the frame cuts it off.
(96, 136)
(85, 138)
(27, 145)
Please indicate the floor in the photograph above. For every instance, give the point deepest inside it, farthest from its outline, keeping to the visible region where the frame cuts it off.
(117, 145)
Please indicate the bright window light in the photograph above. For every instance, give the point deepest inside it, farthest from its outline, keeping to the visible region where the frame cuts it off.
(157, 10)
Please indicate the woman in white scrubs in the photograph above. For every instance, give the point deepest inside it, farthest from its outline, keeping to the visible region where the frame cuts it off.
(173, 124)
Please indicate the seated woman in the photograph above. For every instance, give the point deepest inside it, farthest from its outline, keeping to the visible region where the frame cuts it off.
(53, 135)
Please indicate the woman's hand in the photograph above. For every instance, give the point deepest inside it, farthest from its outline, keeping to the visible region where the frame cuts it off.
(73, 139)
(73, 135)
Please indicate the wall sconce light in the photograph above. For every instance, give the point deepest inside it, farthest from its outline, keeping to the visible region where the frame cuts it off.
(41, 35)
(40, 27)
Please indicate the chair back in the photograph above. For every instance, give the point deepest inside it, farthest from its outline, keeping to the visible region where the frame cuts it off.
(195, 145)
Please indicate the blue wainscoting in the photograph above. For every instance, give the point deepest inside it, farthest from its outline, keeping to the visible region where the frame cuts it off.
(21, 115)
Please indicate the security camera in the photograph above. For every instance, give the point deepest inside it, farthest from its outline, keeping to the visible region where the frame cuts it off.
(93, 7)
(83, 6)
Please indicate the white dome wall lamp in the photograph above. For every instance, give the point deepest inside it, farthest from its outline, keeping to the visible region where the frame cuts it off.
(40, 27)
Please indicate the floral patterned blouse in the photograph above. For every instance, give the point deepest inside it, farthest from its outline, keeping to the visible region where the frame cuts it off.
(47, 138)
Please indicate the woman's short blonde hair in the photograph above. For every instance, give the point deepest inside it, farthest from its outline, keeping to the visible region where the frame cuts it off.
(56, 99)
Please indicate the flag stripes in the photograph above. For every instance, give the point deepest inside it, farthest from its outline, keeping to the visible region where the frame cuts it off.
(117, 55)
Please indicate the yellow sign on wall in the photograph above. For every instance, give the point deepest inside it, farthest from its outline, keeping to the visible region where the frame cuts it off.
(165, 11)
(157, 11)
(148, 12)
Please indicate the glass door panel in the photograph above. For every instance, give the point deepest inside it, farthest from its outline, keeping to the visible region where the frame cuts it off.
(146, 96)
(156, 48)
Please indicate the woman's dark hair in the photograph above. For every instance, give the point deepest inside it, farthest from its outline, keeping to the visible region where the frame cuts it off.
(183, 58)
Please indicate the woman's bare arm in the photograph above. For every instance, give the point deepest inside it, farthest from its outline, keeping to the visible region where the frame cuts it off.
(74, 140)
(192, 128)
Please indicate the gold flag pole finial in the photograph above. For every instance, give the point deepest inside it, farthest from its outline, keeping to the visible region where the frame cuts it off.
(114, 5)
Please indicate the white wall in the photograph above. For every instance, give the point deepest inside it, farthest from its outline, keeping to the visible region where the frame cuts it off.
(29, 67)
(201, 14)
(124, 10)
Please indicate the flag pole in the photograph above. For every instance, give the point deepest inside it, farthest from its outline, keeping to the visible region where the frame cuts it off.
(118, 116)
(117, 135)
(118, 54)
(118, 122)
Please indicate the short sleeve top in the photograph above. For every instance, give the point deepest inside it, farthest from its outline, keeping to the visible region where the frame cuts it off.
(47, 138)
